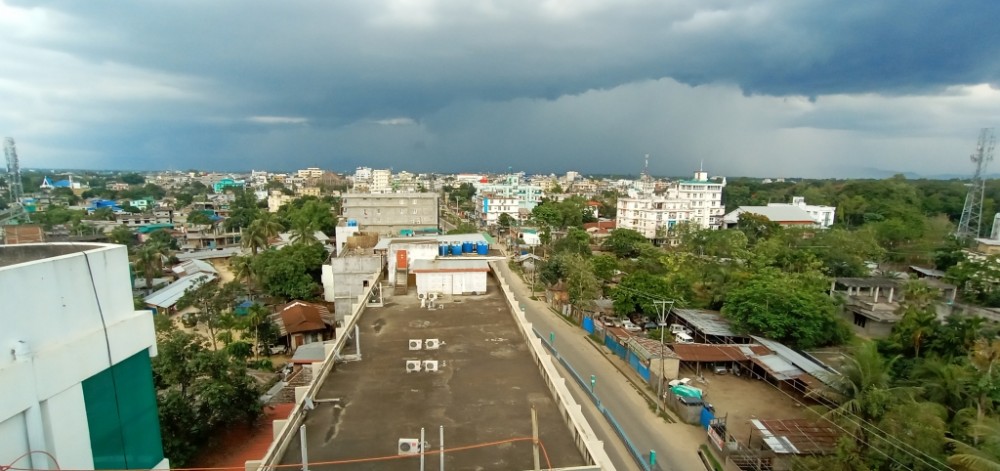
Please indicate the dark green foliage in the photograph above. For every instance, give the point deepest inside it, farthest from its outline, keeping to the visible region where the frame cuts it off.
(291, 272)
(625, 243)
(200, 392)
(133, 178)
(638, 291)
(793, 309)
(242, 211)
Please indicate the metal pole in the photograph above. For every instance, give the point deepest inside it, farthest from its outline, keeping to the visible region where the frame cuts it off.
(357, 340)
(304, 448)
(662, 324)
(421, 449)
(534, 438)
(441, 447)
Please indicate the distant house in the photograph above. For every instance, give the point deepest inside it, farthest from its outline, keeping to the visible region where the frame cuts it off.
(303, 323)
(165, 299)
(784, 215)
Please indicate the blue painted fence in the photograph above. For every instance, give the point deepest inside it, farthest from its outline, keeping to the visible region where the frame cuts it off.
(636, 363)
(588, 324)
(706, 417)
(617, 348)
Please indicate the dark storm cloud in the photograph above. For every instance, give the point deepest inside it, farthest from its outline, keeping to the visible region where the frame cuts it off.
(543, 85)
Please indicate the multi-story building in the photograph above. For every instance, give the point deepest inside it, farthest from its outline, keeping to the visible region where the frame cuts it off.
(490, 206)
(362, 174)
(698, 201)
(392, 214)
(311, 172)
(276, 200)
(381, 181)
(528, 196)
(79, 384)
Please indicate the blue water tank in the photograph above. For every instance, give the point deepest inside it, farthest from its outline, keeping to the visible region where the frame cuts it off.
(466, 247)
(456, 249)
(443, 249)
(352, 223)
(482, 248)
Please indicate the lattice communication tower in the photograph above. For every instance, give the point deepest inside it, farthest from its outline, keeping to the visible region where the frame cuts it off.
(970, 224)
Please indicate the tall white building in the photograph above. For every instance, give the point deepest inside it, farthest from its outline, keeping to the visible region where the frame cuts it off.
(76, 364)
(698, 201)
(823, 215)
(311, 172)
(381, 181)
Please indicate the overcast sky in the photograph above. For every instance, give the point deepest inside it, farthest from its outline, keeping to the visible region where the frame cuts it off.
(812, 88)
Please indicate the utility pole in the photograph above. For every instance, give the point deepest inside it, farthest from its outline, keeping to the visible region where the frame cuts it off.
(662, 324)
(534, 437)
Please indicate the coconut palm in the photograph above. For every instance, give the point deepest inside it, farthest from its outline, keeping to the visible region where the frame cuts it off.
(148, 260)
(258, 234)
(243, 270)
(866, 393)
(304, 232)
(983, 457)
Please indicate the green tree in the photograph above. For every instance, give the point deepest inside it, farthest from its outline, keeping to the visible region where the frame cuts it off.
(200, 218)
(162, 238)
(789, 308)
(505, 222)
(148, 260)
(291, 272)
(464, 228)
(624, 243)
(133, 178)
(212, 303)
(122, 235)
(200, 393)
(304, 232)
(638, 292)
(575, 241)
(258, 234)
(756, 227)
(242, 211)
(983, 456)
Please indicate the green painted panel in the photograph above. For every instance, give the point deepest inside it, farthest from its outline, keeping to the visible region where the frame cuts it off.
(122, 416)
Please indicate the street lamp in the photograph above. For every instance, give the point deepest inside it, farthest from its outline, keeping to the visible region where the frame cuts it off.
(662, 324)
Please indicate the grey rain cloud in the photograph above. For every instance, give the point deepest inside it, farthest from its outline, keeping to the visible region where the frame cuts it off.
(769, 88)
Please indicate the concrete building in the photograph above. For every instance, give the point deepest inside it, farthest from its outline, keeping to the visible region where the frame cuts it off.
(392, 214)
(698, 201)
(311, 172)
(276, 200)
(345, 278)
(381, 181)
(823, 215)
(79, 383)
(489, 207)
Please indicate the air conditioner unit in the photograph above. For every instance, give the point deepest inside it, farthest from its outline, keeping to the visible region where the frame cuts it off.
(434, 296)
(412, 366)
(409, 446)
(432, 344)
(430, 365)
(421, 295)
(416, 344)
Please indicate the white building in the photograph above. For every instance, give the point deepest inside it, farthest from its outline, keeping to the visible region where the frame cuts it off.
(433, 272)
(698, 201)
(381, 181)
(823, 215)
(76, 364)
(506, 194)
(362, 174)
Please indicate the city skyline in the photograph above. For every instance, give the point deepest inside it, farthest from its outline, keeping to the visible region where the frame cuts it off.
(761, 89)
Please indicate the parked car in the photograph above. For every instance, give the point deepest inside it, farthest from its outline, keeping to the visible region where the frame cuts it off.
(681, 337)
(719, 369)
(631, 327)
(677, 328)
(649, 326)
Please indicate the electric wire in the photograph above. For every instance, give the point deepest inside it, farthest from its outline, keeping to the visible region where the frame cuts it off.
(541, 445)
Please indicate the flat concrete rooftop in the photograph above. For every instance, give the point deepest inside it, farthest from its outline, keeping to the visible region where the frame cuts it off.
(482, 393)
(23, 253)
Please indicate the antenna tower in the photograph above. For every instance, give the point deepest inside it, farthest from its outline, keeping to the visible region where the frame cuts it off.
(972, 213)
(15, 189)
(645, 169)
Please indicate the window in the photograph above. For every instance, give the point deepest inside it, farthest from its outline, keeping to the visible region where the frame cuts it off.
(860, 321)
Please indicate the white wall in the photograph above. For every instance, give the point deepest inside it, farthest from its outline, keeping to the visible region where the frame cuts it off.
(424, 251)
(451, 283)
(55, 305)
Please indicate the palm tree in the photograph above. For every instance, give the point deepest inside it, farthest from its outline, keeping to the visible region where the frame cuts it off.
(945, 383)
(257, 315)
(243, 270)
(866, 392)
(304, 232)
(148, 260)
(919, 318)
(985, 456)
(258, 234)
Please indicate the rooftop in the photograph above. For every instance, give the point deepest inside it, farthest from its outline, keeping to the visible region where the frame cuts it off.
(383, 244)
(706, 322)
(168, 296)
(24, 253)
(774, 213)
(797, 436)
(483, 392)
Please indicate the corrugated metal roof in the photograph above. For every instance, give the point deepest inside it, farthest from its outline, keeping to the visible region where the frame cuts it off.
(169, 295)
(778, 367)
(707, 322)
(809, 365)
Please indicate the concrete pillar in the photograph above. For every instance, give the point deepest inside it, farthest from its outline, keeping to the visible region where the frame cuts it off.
(876, 293)
(892, 291)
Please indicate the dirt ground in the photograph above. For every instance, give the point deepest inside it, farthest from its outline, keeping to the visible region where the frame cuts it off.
(740, 399)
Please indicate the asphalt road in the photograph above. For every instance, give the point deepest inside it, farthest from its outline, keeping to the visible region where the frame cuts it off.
(676, 444)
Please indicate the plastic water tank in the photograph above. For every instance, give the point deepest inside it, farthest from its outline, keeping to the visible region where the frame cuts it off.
(482, 248)
(442, 249)
(456, 249)
(352, 223)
